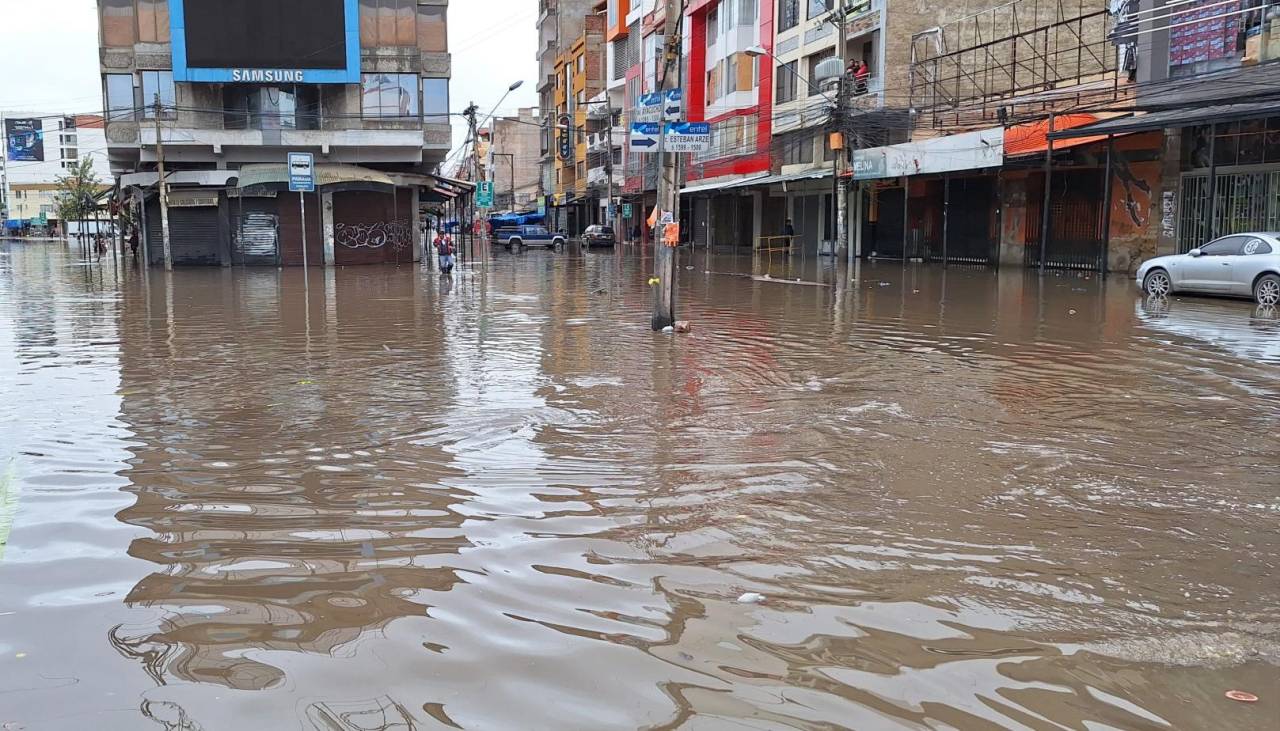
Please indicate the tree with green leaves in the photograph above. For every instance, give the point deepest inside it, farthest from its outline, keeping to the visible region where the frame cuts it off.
(78, 192)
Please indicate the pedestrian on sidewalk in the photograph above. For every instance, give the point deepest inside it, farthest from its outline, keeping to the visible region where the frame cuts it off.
(789, 230)
(444, 249)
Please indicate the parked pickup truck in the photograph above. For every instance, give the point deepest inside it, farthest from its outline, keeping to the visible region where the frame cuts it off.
(515, 237)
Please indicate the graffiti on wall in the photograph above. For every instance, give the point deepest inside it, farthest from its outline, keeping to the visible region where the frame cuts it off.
(1135, 183)
(393, 234)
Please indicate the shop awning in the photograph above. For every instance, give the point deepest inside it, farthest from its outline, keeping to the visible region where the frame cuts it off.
(347, 176)
(1173, 118)
(1033, 137)
(776, 179)
(722, 184)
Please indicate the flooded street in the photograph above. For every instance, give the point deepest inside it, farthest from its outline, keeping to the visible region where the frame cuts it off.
(969, 499)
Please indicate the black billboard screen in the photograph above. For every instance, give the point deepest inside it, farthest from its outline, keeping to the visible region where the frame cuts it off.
(266, 34)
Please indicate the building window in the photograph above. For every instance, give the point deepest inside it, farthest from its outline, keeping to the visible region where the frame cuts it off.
(388, 23)
(433, 29)
(797, 150)
(818, 7)
(727, 17)
(435, 101)
(788, 14)
(786, 83)
(747, 10)
(158, 84)
(814, 60)
(70, 153)
(713, 26)
(389, 96)
(118, 23)
(153, 21)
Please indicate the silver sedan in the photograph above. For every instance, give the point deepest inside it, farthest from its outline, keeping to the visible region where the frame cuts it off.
(1241, 265)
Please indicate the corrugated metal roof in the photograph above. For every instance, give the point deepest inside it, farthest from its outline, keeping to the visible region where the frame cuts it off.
(1175, 118)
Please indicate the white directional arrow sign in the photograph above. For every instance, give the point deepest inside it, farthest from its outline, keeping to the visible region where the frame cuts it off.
(688, 137)
(644, 136)
(673, 105)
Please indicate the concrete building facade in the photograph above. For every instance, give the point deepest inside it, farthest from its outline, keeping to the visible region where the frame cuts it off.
(228, 107)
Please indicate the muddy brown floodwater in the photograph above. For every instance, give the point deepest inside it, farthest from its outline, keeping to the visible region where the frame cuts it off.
(969, 500)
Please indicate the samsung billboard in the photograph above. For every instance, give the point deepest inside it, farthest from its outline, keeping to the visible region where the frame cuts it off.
(266, 41)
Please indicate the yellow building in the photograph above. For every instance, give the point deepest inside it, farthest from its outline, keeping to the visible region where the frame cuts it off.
(579, 77)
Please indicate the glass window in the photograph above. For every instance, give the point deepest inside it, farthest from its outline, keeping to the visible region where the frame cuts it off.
(435, 100)
(786, 83)
(788, 14)
(153, 21)
(727, 20)
(433, 28)
(119, 94)
(118, 23)
(747, 12)
(158, 84)
(388, 23)
(389, 96)
(1229, 246)
(814, 60)
(713, 26)
(818, 7)
(1255, 247)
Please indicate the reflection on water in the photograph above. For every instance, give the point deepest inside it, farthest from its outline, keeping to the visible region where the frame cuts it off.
(970, 499)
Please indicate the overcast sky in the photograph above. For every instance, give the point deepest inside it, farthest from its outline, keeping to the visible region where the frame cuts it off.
(49, 55)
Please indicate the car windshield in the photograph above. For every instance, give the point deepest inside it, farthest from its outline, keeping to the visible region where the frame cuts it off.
(535, 230)
(605, 230)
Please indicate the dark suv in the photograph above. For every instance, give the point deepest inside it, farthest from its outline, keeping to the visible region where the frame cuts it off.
(598, 236)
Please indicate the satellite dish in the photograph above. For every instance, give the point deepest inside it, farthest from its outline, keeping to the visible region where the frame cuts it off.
(828, 69)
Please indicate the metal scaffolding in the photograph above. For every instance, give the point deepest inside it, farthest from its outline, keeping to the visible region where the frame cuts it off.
(1017, 60)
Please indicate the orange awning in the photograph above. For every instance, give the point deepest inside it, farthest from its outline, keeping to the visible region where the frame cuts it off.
(1030, 138)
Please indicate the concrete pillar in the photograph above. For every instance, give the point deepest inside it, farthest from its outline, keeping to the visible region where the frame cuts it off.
(1013, 222)
(326, 221)
(757, 216)
(415, 223)
(1170, 193)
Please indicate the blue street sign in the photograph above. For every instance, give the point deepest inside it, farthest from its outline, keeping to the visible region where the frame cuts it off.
(688, 136)
(673, 105)
(644, 136)
(302, 172)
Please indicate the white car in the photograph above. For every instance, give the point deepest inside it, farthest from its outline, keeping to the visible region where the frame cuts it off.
(1242, 265)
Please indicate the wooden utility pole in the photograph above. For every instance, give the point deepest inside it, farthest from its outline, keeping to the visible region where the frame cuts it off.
(164, 192)
(664, 257)
(470, 114)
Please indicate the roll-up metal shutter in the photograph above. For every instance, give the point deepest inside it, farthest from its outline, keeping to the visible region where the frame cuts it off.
(256, 232)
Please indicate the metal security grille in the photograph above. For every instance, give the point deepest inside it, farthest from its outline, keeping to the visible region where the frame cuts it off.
(1246, 201)
(255, 241)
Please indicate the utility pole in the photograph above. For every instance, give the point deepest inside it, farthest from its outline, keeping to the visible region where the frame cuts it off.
(664, 257)
(470, 114)
(608, 167)
(164, 192)
(837, 168)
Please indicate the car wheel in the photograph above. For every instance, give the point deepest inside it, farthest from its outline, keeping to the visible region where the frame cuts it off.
(1158, 284)
(1266, 291)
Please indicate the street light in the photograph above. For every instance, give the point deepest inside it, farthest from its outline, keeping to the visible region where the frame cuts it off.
(493, 133)
(758, 51)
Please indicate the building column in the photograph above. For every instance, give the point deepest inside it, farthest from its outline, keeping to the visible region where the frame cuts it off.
(757, 217)
(415, 222)
(326, 222)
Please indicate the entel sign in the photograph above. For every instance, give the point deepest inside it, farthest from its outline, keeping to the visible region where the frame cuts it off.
(268, 75)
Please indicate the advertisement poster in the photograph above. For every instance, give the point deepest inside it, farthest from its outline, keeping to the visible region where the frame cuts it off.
(24, 140)
(1203, 30)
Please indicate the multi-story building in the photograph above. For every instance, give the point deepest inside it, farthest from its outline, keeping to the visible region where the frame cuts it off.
(579, 78)
(39, 148)
(728, 46)
(228, 89)
(560, 24)
(515, 155)
(606, 138)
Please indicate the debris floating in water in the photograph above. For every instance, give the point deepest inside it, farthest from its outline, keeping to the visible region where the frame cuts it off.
(751, 598)
(1242, 696)
(683, 326)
